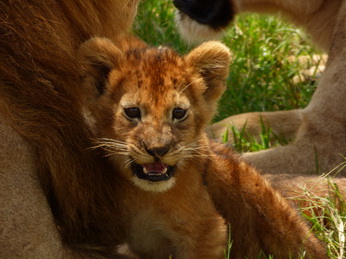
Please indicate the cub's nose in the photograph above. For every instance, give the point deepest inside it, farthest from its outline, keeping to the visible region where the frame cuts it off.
(157, 151)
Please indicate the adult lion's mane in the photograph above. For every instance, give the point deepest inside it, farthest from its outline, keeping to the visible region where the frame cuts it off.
(39, 102)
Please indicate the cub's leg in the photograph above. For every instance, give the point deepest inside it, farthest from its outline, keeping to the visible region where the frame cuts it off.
(260, 218)
(27, 227)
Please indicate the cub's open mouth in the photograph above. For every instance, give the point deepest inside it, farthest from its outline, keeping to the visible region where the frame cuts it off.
(153, 172)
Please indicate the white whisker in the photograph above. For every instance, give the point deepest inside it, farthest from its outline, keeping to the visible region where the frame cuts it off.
(111, 146)
(128, 162)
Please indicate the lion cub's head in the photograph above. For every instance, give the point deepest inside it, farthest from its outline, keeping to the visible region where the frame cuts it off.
(149, 106)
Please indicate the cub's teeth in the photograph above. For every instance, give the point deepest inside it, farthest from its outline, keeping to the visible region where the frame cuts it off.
(154, 173)
(145, 170)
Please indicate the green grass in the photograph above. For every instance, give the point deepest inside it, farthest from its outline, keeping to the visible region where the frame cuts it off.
(244, 142)
(261, 79)
(329, 225)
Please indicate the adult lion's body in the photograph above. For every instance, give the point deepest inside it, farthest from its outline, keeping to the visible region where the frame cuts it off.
(43, 140)
(319, 129)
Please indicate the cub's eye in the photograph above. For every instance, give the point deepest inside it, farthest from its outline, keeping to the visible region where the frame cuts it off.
(132, 113)
(179, 113)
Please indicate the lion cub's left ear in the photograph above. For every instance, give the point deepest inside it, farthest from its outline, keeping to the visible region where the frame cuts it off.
(98, 57)
(211, 60)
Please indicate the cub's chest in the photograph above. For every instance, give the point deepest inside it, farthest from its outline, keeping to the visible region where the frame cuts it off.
(149, 232)
(163, 211)
(156, 226)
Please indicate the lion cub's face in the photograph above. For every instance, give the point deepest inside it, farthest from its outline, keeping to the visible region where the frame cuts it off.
(149, 106)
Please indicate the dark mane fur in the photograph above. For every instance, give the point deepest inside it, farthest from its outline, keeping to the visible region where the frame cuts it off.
(39, 90)
(217, 14)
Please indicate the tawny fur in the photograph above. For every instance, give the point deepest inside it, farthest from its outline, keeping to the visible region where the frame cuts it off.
(307, 192)
(317, 132)
(39, 89)
(174, 216)
(46, 161)
(254, 208)
(150, 215)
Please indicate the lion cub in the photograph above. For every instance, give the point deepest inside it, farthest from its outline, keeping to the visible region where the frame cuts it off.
(148, 108)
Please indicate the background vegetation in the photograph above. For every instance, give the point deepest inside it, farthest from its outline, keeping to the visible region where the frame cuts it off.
(269, 58)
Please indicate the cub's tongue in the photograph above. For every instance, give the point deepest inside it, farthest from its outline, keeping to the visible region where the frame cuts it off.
(156, 168)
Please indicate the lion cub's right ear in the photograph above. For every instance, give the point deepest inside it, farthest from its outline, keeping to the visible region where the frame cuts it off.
(98, 57)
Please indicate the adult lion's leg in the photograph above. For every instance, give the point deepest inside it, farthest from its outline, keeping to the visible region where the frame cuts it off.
(315, 152)
(259, 217)
(310, 193)
(284, 124)
(320, 142)
(310, 152)
(27, 227)
(321, 137)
